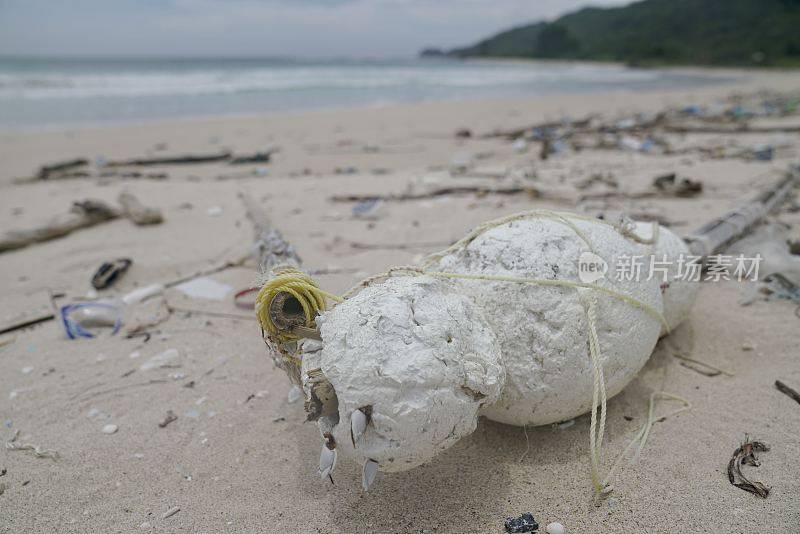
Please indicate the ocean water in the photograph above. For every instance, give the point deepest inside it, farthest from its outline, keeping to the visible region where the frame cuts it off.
(46, 93)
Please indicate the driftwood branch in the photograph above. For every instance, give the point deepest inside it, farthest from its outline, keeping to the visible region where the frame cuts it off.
(82, 215)
(714, 237)
(138, 212)
(443, 191)
(270, 248)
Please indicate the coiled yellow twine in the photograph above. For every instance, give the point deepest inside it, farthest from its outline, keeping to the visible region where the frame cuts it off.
(303, 288)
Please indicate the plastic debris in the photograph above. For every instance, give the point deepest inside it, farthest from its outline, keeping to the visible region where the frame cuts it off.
(161, 359)
(367, 209)
(523, 523)
(83, 319)
(109, 272)
(204, 288)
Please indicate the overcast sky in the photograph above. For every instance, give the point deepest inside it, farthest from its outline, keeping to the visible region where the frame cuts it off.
(307, 28)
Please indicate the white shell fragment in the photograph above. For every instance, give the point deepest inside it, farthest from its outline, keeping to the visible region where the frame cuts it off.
(358, 424)
(327, 462)
(555, 528)
(368, 474)
(110, 429)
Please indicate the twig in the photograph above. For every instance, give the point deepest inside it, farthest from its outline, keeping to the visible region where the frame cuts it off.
(444, 191)
(786, 390)
(169, 418)
(714, 371)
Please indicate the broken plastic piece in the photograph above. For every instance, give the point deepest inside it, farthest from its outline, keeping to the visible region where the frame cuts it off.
(80, 319)
(109, 272)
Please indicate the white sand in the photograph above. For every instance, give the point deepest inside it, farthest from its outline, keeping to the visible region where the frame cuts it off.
(239, 465)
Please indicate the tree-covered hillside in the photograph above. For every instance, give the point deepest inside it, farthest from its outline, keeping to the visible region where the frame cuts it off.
(706, 32)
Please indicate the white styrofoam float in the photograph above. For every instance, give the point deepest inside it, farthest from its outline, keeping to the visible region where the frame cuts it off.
(409, 363)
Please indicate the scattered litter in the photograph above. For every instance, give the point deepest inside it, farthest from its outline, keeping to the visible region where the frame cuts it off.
(295, 394)
(143, 293)
(137, 212)
(555, 528)
(367, 208)
(84, 319)
(110, 429)
(258, 157)
(523, 523)
(243, 304)
(12, 445)
(204, 288)
(109, 272)
(700, 367)
(169, 418)
(671, 185)
(746, 455)
(786, 390)
(54, 169)
(172, 160)
(564, 425)
(169, 513)
(162, 359)
(82, 214)
(520, 146)
(214, 211)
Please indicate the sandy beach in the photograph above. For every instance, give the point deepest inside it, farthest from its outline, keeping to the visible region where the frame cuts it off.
(239, 457)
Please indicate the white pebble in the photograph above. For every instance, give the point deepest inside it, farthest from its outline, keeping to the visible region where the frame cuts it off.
(555, 528)
(135, 354)
(110, 429)
(145, 526)
(214, 211)
(27, 370)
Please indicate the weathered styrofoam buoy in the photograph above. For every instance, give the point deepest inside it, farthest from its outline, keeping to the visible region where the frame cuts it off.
(404, 367)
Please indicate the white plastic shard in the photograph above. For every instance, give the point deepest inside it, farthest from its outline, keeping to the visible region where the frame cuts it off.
(368, 474)
(358, 424)
(327, 462)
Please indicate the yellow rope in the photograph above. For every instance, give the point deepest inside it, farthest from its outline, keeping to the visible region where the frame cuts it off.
(299, 285)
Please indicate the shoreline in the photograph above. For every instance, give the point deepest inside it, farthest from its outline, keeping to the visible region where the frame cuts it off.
(719, 78)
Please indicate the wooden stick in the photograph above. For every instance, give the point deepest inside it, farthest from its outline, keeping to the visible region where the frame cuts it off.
(172, 160)
(714, 237)
(82, 215)
(138, 212)
(455, 190)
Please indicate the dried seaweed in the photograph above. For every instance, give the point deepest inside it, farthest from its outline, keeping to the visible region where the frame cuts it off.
(746, 455)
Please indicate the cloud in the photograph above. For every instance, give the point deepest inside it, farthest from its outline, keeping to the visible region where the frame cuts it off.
(311, 28)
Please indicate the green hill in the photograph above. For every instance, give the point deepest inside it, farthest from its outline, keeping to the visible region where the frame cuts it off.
(688, 32)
